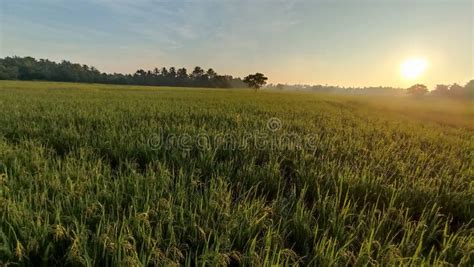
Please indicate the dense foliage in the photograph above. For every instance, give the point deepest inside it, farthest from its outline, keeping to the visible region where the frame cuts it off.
(28, 68)
(387, 181)
(256, 80)
(417, 90)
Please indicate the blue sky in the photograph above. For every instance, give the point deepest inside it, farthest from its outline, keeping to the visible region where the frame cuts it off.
(348, 43)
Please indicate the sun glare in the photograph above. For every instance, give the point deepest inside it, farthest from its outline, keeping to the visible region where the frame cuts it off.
(412, 68)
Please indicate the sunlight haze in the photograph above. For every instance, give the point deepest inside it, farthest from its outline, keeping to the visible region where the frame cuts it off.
(413, 68)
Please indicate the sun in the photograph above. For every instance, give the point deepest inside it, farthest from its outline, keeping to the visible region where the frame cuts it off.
(412, 68)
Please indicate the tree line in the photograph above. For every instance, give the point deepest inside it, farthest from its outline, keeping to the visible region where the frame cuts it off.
(454, 91)
(28, 68)
(443, 90)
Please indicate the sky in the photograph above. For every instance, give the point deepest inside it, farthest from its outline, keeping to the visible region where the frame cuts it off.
(345, 43)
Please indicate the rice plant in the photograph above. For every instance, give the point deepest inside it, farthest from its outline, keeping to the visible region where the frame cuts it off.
(102, 175)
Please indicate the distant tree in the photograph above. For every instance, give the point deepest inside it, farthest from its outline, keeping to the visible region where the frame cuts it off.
(182, 76)
(417, 90)
(223, 81)
(441, 90)
(469, 87)
(8, 72)
(211, 74)
(140, 76)
(140, 72)
(172, 73)
(256, 80)
(280, 86)
(457, 91)
(197, 73)
(164, 72)
(182, 73)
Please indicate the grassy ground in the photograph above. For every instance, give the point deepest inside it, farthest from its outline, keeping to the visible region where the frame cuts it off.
(128, 175)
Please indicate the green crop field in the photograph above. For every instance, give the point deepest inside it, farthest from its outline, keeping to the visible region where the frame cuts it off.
(103, 175)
